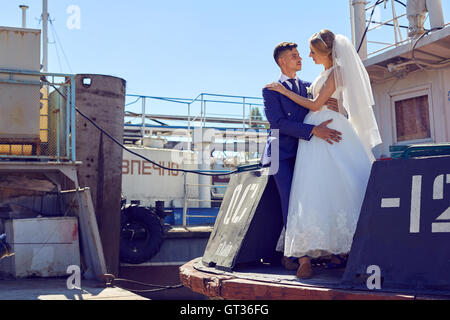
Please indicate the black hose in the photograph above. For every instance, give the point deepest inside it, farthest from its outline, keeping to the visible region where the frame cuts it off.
(368, 24)
(255, 168)
(370, 20)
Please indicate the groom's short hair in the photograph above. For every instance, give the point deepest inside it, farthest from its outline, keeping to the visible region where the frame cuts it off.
(281, 48)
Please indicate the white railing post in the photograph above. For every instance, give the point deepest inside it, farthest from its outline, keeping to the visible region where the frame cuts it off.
(243, 114)
(396, 27)
(185, 200)
(143, 121)
(189, 142)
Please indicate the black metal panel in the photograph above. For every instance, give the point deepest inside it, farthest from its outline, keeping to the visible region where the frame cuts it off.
(404, 227)
(248, 224)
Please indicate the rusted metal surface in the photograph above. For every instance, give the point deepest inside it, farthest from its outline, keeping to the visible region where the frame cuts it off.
(102, 98)
(229, 287)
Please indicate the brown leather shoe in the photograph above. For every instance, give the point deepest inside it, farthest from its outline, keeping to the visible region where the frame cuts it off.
(304, 271)
(288, 264)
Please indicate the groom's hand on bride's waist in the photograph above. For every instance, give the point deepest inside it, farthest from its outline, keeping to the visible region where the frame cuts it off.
(332, 104)
(329, 135)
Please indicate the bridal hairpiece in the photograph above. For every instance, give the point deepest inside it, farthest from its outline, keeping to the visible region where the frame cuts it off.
(320, 37)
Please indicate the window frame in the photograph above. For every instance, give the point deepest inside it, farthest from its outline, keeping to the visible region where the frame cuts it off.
(410, 94)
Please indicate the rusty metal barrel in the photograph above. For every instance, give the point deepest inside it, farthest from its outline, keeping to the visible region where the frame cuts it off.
(102, 98)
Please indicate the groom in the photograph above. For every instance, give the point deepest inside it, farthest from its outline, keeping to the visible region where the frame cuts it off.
(287, 117)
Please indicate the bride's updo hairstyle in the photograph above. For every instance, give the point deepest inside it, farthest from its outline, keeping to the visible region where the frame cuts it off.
(323, 42)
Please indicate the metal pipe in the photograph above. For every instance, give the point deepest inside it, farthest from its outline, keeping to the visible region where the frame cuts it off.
(35, 73)
(45, 35)
(204, 164)
(383, 43)
(200, 200)
(359, 9)
(206, 185)
(58, 114)
(68, 114)
(204, 110)
(435, 14)
(190, 101)
(73, 125)
(189, 128)
(143, 121)
(190, 216)
(387, 23)
(243, 114)
(396, 28)
(184, 118)
(387, 47)
(185, 201)
(229, 96)
(24, 15)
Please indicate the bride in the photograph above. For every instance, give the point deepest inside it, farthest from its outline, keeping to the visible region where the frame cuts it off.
(330, 180)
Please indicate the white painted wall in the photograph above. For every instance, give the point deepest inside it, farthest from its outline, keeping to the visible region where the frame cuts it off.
(147, 183)
(19, 104)
(43, 247)
(437, 82)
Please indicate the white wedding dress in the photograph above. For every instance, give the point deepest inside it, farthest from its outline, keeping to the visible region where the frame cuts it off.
(328, 187)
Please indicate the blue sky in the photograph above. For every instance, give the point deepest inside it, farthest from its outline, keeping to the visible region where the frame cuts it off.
(184, 47)
(181, 48)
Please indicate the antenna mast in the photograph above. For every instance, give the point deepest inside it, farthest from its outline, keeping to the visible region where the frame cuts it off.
(44, 35)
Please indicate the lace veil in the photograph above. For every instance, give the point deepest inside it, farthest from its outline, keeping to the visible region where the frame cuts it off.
(353, 85)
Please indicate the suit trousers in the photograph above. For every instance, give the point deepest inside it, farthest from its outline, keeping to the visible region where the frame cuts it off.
(283, 180)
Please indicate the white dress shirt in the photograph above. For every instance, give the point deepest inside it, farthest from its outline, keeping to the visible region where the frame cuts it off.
(285, 78)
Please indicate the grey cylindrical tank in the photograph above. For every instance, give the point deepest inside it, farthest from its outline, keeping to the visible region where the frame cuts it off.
(102, 98)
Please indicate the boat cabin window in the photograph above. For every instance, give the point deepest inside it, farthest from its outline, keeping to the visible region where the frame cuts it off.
(412, 119)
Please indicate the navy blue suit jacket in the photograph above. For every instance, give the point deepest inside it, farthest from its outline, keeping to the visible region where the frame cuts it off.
(287, 116)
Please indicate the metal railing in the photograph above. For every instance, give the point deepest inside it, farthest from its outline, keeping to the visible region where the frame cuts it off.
(38, 123)
(195, 110)
(245, 128)
(188, 200)
(393, 20)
